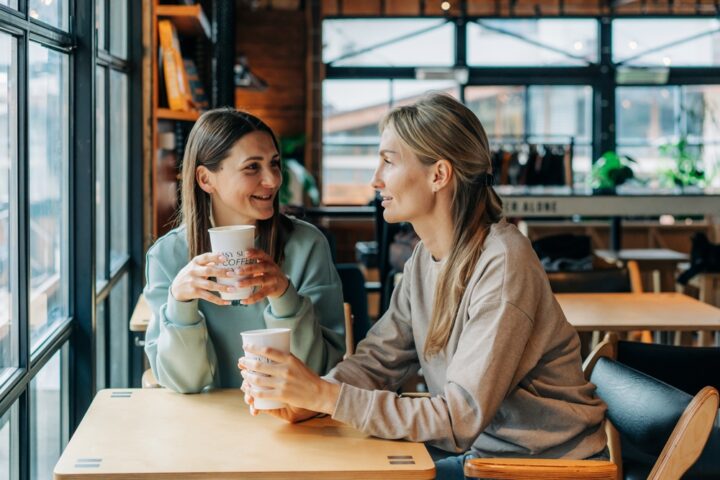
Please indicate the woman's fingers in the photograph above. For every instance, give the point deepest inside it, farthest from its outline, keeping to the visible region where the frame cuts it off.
(209, 258)
(209, 297)
(267, 352)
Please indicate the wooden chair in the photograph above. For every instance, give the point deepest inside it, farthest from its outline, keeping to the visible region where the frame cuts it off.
(645, 411)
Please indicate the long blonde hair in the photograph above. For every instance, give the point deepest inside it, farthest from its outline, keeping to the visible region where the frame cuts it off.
(209, 143)
(439, 127)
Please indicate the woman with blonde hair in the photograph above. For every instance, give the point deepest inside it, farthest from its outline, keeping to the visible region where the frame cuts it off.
(231, 176)
(474, 310)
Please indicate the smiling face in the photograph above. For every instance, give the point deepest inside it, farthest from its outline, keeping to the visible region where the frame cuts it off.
(404, 183)
(244, 187)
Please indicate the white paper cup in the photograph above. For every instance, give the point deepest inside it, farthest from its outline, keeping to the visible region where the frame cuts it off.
(232, 242)
(277, 338)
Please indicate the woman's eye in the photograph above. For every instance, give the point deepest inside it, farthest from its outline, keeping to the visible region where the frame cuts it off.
(252, 166)
(275, 164)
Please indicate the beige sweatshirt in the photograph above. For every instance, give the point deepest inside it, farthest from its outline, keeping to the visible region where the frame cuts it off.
(509, 382)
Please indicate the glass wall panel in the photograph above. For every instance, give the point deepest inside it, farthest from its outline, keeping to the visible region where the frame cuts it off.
(119, 335)
(668, 42)
(49, 119)
(46, 424)
(9, 443)
(119, 28)
(669, 130)
(388, 42)
(100, 182)
(8, 158)
(52, 12)
(100, 24)
(119, 162)
(532, 42)
(101, 356)
(9, 3)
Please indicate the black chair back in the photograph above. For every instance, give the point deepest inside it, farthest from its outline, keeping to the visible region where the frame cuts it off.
(612, 280)
(688, 369)
(643, 410)
(354, 293)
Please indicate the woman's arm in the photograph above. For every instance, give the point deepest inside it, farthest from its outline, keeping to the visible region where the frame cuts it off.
(177, 344)
(312, 308)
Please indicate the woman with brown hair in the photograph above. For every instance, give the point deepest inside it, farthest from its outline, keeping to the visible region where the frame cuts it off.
(474, 310)
(231, 176)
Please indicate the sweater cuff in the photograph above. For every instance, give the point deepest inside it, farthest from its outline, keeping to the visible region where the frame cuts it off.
(287, 304)
(349, 407)
(182, 313)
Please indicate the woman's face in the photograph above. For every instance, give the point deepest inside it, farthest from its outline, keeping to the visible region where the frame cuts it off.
(403, 182)
(245, 184)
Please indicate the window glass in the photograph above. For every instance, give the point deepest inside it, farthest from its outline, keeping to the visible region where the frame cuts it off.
(667, 128)
(52, 12)
(100, 24)
(9, 443)
(101, 357)
(388, 42)
(46, 426)
(9, 3)
(532, 42)
(551, 118)
(8, 158)
(667, 42)
(119, 335)
(119, 164)
(118, 28)
(100, 183)
(48, 188)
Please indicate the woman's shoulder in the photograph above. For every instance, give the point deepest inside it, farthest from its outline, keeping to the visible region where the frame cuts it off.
(171, 244)
(506, 242)
(304, 232)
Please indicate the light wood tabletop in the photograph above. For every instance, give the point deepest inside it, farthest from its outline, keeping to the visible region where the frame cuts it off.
(638, 311)
(644, 255)
(141, 315)
(155, 433)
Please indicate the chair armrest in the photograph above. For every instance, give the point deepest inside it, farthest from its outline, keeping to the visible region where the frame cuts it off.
(531, 468)
(148, 380)
(141, 315)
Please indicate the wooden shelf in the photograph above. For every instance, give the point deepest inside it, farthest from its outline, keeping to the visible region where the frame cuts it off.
(188, 19)
(167, 114)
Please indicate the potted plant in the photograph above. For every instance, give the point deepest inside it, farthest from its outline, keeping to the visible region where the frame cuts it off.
(685, 171)
(609, 171)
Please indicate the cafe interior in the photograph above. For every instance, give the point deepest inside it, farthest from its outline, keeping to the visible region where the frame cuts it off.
(602, 120)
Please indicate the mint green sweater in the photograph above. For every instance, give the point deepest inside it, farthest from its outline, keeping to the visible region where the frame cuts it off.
(193, 345)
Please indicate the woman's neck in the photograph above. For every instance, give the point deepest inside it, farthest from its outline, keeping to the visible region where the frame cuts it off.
(436, 231)
(222, 217)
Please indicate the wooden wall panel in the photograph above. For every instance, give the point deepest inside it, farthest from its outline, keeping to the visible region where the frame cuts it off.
(274, 42)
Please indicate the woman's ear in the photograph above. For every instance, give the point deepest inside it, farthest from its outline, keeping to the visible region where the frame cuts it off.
(441, 174)
(204, 179)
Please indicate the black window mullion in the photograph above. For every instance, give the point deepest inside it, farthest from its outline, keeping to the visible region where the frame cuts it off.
(82, 241)
(22, 264)
(604, 106)
(106, 180)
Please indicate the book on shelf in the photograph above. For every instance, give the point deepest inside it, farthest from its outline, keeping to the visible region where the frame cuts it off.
(197, 90)
(176, 82)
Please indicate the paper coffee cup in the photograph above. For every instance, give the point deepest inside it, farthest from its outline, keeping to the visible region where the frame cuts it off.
(232, 242)
(277, 338)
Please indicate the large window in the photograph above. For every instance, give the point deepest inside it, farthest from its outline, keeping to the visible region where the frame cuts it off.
(545, 42)
(48, 188)
(662, 126)
(8, 158)
(65, 219)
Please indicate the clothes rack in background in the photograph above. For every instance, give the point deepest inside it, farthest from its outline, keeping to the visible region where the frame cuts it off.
(517, 160)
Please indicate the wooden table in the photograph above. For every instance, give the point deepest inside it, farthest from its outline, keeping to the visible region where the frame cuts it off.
(155, 433)
(638, 311)
(661, 263)
(141, 315)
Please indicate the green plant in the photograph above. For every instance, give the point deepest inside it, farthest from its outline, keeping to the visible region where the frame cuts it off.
(611, 170)
(685, 171)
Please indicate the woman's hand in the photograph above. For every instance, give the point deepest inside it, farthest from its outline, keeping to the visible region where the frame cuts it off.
(265, 275)
(288, 413)
(192, 282)
(288, 381)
